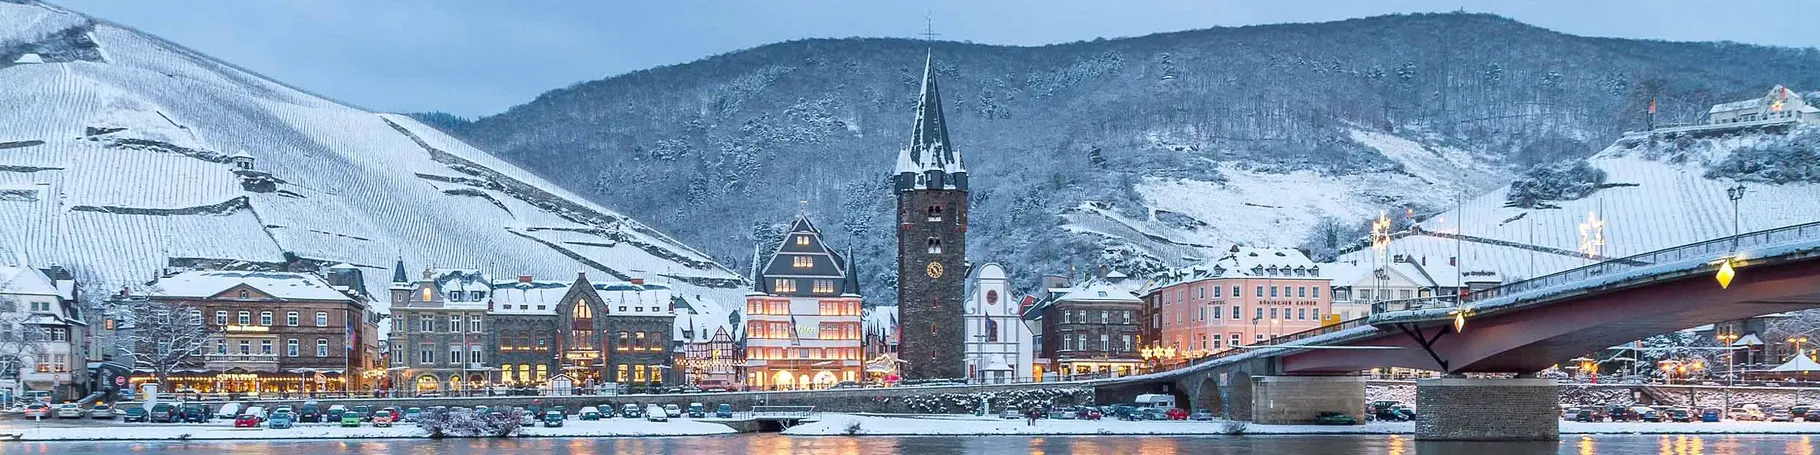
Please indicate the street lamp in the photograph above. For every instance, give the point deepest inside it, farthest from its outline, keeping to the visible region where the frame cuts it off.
(1797, 340)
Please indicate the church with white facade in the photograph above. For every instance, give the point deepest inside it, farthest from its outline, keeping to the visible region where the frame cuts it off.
(998, 344)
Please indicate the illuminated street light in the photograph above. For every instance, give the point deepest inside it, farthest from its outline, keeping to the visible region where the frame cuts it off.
(1592, 235)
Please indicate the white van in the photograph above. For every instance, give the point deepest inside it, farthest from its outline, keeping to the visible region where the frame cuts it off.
(656, 413)
(228, 411)
(1156, 400)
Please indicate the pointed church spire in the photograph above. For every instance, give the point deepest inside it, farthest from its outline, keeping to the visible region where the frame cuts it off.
(398, 275)
(758, 279)
(930, 161)
(850, 285)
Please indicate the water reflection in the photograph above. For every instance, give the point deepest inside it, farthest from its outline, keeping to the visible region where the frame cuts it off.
(780, 445)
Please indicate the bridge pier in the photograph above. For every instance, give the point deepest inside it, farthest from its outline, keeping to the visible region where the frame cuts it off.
(1461, 409)
(1299, 399)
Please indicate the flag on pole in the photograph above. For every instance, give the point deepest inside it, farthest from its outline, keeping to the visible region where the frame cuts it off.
(1652, 106)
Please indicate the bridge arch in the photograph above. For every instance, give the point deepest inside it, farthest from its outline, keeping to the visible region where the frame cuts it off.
(1207, 396)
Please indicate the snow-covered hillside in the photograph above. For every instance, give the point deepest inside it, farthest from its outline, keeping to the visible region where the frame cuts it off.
(116, 160)
(1655, 196)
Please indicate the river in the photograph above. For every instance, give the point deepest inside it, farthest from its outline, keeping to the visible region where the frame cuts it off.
(773, 444)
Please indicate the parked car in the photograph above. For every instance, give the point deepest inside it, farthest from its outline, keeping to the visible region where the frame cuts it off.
(672, 411)
(1089, 414)
(632, 411)
(697, 410)
(1010, 413)
(37, 410)
(1799, 411)
(1813, 415)
(383, 418)
(412, 413)
(1334, 418)
(1586, 415)
(334, 413)
(589, 413)
(1201, 415)
(528, 418)
(280, 420)
(165, 413)
(1149, 413)
(1780, 416)
(135, 414)
(195, 413)
(101, 411)
(724, 411)
(1742, 414)
(1123, 412)
(363, 412)
(246, 421)
(1710, 415)
(1646, 414)
(1618, 413)
(563, 410)
(70, 411)
(553, 418)
(656, 413)
(228, 411)
(256, 411)
(349, 419)
(310, 412)
(1679, 415)
(847, 385)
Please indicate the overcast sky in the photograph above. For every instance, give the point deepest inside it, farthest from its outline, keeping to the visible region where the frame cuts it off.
(479, 57)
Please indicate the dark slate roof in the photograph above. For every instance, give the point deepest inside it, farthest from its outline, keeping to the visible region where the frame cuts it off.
(803, 241)
(930, 135)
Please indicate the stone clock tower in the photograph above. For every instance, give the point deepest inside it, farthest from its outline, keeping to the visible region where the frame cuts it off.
(931, 186)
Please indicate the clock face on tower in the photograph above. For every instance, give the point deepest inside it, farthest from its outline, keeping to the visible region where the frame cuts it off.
(934, 270)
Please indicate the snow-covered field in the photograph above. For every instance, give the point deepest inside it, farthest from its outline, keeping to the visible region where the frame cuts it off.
(873, 425)
(28, 431)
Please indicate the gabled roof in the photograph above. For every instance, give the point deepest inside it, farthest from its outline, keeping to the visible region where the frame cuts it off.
(26, 281)
(804, 243)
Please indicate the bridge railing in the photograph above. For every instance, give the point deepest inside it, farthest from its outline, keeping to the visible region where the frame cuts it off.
(1711, 249)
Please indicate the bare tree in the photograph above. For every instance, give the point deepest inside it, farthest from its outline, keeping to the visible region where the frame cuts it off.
(1804, 323)
(17, 340)
(166, 335)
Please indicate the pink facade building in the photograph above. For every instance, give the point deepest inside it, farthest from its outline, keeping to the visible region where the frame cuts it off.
(1246, 297)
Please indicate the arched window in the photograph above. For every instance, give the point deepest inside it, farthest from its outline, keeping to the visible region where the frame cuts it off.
(582, 310)
(935, 245)
(243, 294)
(934, 212)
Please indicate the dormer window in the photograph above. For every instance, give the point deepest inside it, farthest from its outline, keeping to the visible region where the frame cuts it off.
(243, 294)
(802, 240)
(477, 296)
(427, 296)
(935, 213)
(802, 262)
(935, 245)
(454, 296)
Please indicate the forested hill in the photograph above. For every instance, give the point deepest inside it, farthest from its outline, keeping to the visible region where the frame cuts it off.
(1167, 146)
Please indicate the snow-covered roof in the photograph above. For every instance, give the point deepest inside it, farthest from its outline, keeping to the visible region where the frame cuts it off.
(1247, 262)
(29, 58)
(1777, 92)
(1749, 339)
(26, 281)
(280, 285)
(1799, 362)
(535, 297)
(1099, 292)
(705, 317)
(647, 299)
(241, 154)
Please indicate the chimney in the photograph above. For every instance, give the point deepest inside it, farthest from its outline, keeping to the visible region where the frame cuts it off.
(524, 278)
(1453, 260)
(1424, 261)
(638, 281)
(581, 275)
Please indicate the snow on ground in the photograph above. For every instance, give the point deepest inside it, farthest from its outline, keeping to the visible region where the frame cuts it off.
(28, 431)
(948, 425)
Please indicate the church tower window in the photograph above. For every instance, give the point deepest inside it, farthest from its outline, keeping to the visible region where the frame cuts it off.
(935, 245)
(935, 213)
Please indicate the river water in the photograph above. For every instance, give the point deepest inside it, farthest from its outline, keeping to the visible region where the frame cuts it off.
(769, 444)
